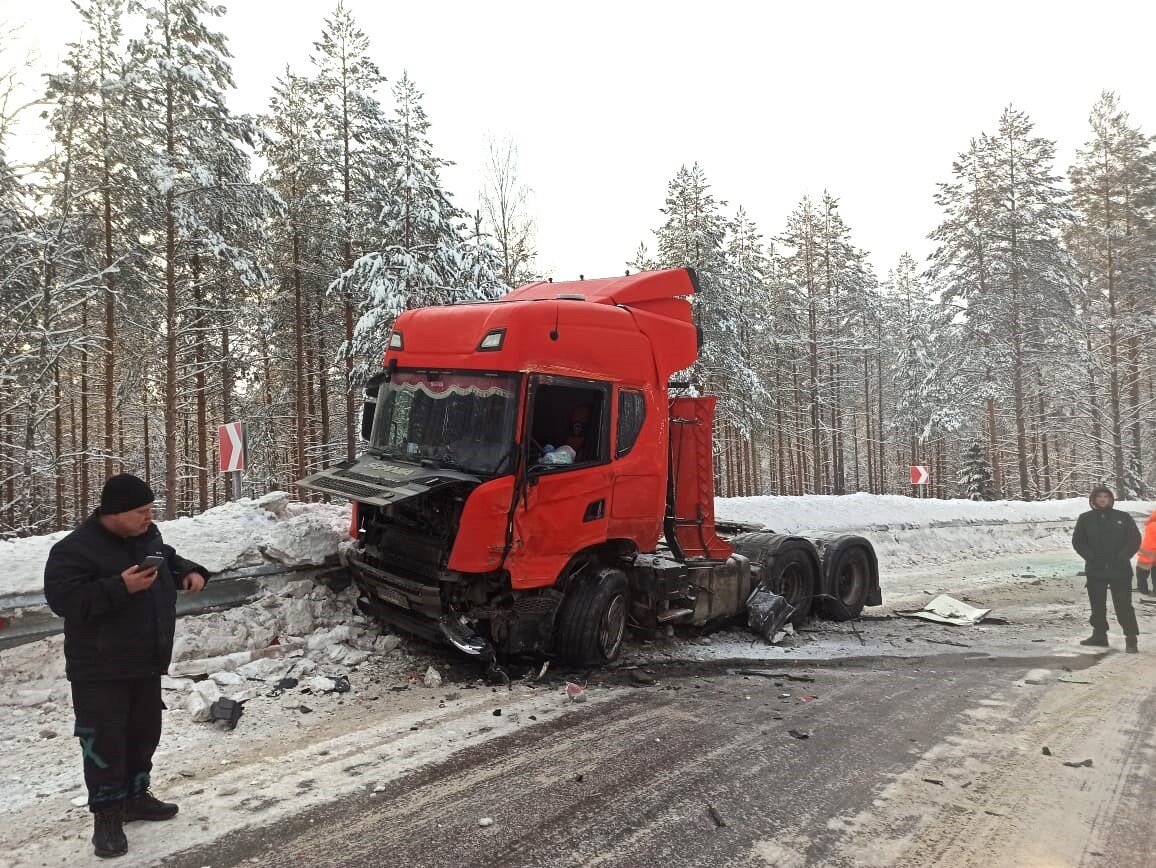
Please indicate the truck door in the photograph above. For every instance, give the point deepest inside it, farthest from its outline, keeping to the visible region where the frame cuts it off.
(567, 493)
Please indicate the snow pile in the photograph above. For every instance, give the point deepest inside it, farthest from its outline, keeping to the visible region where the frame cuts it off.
(863, 511)
(301, 616)
(242, 533)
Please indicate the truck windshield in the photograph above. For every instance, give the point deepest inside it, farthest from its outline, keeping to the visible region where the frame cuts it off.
(463, 420)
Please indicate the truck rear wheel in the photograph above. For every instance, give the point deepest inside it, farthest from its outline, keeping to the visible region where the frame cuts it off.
(787, 567)
(592, 622)
(851, 582)
(792, 574)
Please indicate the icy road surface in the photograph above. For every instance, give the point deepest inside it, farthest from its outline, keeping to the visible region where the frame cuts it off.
(923, 744)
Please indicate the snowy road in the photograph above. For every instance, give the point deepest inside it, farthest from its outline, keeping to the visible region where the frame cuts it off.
(398, 772)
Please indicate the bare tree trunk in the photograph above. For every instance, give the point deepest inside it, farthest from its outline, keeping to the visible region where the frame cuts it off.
(84, 390)
(882, 432)
(1047, 469)
(200, 361)
(171, 492)
(299, 361)
(58, 447)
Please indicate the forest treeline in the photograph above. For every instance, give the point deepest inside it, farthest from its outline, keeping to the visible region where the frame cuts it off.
(168, 265)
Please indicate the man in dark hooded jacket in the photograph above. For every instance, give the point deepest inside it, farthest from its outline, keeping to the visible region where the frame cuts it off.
(1106, 539)
(115, 583)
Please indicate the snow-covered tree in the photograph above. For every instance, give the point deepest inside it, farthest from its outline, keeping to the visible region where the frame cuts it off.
(1114, 242)
(357, 155)
(975, 473)
(194, 174)
(423, 257)
(999, 265)
(505, 205)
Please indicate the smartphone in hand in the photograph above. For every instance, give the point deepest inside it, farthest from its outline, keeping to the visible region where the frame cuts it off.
(152, 562)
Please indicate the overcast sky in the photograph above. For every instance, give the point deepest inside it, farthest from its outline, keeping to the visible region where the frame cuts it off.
(605, 100)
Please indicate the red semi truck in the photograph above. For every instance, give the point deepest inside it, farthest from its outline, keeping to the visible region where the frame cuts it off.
(534, 484)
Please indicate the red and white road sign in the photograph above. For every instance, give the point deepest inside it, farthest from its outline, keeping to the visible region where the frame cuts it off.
(231, 442)
(918, 475)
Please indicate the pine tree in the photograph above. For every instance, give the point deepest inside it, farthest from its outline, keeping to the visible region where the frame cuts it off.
(975, 473)
(694, 236)
(304, 239)
(424, 258)
(1114, 240)
(1000, 264)
(357, 156)
(193, 170)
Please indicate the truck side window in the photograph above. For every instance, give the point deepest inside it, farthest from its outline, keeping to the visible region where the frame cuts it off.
(631, 415)
(569, 424)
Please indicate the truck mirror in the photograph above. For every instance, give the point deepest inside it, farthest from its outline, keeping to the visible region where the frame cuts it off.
(369, 406)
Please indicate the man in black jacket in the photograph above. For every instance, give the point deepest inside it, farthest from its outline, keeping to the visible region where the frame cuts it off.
(1106, 539)
(115, 582)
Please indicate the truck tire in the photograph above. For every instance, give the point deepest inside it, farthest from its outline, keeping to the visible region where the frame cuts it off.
(788, 565)
(592, 621)
(792, 574)
(850, 577)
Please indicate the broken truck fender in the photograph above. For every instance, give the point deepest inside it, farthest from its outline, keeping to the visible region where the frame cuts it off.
(835, 551)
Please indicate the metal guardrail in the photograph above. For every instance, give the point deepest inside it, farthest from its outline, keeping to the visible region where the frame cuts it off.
(26, 617)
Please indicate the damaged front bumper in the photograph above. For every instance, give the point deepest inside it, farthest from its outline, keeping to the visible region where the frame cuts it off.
(414, 607)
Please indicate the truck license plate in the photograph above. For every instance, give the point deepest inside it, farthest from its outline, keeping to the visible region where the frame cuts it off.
(394, 597)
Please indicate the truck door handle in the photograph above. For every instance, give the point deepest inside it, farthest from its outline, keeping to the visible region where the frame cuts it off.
(595, 510)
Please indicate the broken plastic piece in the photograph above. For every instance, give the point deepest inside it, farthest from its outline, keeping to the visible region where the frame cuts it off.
(767, 612)
(948, 610)
(227, 711)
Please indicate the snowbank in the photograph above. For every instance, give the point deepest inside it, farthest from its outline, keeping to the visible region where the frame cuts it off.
(243, 533)
(862, 511)
(908, 532)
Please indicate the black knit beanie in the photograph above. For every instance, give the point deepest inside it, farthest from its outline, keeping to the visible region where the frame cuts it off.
(123, 493)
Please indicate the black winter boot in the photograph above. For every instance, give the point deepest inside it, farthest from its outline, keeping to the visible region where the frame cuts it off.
(108, 838)
(1096, 640)
(146, 806)
(1130, 645)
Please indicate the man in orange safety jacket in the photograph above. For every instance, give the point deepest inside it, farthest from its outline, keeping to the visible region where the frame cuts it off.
(1146, 557)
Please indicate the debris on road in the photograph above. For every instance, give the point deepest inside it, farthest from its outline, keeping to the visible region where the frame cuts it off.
(432, 678)
(770, 673)
(715, 815)
(948, 610)
(935, 781)
(948, 642)
(768, 612)
(227, 712)
(641, 678)
(575, 692)
(1047, 751)
(486, 821)
(799, 734)
(1083, 764)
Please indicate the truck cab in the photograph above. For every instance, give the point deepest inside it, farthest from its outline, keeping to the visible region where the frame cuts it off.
(529, 486)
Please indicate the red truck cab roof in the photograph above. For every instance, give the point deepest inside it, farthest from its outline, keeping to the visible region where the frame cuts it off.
(636, 328)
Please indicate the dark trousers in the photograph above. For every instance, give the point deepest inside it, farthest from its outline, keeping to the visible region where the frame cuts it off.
(119, 726)
(1121, 600)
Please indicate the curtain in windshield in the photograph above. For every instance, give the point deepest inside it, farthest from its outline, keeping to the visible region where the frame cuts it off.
(461, 420)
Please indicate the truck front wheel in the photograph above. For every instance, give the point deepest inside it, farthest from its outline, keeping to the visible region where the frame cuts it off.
(592, 622)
